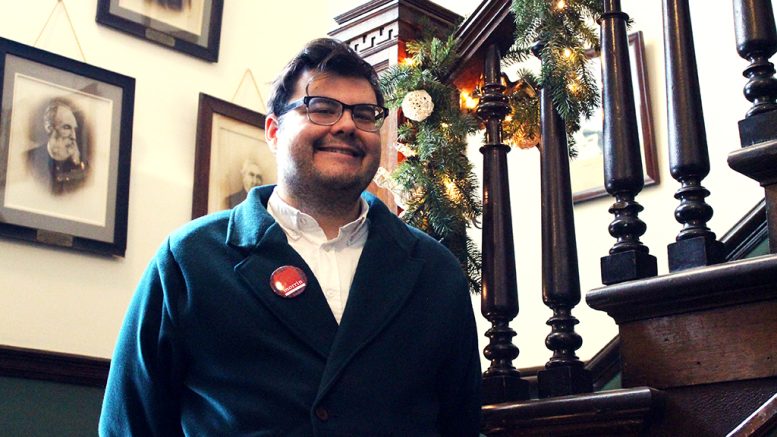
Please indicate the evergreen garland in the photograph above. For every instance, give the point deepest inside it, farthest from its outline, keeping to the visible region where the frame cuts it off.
(560, 31)
(435, 182)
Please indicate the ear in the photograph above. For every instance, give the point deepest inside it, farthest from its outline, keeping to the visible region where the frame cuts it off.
(271, 127)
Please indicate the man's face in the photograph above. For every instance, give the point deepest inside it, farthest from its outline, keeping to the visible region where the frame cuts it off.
(323, 159)
(252, 176)
(62, 138)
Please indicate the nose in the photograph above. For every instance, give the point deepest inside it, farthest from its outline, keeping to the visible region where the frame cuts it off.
(345, 124)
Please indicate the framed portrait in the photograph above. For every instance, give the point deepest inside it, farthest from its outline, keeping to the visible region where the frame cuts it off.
(189, 26)
(587, 170)
(65, 147)
(231, 155)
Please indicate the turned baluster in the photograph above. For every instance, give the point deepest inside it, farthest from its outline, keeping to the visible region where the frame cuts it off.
(757, 42)
(564, 373)
(499, 298)
(628, 259)
(756, 38)
(689, 161)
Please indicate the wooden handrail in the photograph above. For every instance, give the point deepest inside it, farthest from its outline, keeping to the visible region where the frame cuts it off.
(762, 421)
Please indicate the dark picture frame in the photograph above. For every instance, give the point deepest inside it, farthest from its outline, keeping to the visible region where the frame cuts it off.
(230, 149)
(52, 104)
(189, 26)
(586, 171)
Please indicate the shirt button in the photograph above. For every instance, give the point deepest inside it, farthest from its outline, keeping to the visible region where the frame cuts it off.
(322, 414)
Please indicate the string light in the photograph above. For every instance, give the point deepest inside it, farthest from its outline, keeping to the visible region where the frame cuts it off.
(567, 53)
(467, 101)
(573, 86)
(561, 5)
(451, 191)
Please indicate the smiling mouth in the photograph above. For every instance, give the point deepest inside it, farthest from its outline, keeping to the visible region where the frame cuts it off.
(341, 150)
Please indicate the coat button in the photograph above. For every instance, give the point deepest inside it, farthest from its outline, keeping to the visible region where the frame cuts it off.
(322, 413)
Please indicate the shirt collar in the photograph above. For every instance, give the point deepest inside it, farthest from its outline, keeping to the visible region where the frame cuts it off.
(296, 224)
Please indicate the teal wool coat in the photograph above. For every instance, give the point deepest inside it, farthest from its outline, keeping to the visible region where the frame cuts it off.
(207, 348)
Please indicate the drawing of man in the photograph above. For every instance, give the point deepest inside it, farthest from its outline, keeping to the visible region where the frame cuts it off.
(252, 177)
(59, 163)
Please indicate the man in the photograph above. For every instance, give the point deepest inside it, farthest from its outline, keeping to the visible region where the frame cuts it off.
(58, 163)
(252, 177)
(308, 309)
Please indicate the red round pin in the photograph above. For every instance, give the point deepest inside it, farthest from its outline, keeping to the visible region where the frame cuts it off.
(288, 281)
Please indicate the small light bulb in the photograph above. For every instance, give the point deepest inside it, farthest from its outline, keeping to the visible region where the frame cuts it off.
(467, 101)
(567, 53)
(450, 189)
(561, 5)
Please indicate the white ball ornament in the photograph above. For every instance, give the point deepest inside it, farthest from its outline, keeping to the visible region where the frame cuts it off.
(417, 105)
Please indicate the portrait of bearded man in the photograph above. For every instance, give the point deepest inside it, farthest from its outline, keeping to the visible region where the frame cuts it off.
(60, 162)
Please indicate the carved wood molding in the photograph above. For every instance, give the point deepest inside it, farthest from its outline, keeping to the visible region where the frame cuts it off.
(375, 27)
(491, 23)
(18, 362)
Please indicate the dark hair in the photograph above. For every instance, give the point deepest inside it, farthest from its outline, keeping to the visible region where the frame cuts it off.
(324, 55)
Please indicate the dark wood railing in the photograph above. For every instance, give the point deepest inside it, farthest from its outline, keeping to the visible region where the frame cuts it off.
(677, 330)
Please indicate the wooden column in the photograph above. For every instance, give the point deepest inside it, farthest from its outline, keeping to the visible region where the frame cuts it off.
(689, 161)
(378, 31)
(628, 259)
(564, 373)
(499, 297)
(757, 42)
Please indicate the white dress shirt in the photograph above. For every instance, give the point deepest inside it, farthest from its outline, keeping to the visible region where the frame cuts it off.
(334, 261)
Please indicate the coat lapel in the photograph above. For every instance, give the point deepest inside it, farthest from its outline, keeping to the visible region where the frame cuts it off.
(384, 280)
(307, 315)
(253, 230)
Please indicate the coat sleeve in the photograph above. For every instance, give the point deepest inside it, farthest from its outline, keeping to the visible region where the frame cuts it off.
(144, 382)
(461, 381)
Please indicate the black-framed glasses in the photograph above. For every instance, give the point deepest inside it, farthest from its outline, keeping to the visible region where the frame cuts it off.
(326, 111)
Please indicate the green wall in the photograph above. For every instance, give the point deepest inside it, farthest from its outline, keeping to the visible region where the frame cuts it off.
(31, 408)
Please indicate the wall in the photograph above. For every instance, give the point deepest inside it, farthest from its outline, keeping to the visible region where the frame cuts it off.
(66, 301)
(70, 302)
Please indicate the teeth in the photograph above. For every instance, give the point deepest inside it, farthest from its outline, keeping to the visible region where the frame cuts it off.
(340, 151)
